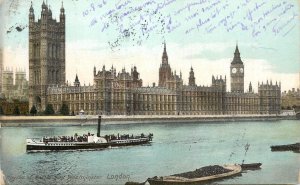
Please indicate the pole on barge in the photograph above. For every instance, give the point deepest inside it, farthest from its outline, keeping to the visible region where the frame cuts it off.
(99, 124)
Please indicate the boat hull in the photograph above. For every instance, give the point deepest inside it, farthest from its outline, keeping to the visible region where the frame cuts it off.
(251, 166)
(290, 147)
(56, 146)
(175, 180)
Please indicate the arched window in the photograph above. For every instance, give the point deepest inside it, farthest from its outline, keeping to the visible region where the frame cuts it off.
(33, 50)
(53, 76)
(57, 51)
(34, 77)
(53, 50)
(49, 50)
(57, 76)
(49, 76)
(38, 51)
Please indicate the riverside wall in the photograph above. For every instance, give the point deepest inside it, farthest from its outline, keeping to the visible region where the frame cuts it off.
(38, 121)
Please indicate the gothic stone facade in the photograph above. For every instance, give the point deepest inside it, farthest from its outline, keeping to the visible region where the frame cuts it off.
(17, 90)
(46, 54)
(123, 93)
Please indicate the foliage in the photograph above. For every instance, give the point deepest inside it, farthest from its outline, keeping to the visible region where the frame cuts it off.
(1, 111)
(16, 110)
(49, 110)
(33, 110)
(64, 109)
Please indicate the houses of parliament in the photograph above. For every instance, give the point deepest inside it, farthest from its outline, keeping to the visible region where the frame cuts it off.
(123, 93)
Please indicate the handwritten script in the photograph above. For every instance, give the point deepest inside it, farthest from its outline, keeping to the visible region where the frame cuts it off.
(136, 21)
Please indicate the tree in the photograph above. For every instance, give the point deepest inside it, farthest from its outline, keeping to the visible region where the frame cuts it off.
(49, 110)
(1, 111)
(64, 109)
(16, 111)
(33, 110)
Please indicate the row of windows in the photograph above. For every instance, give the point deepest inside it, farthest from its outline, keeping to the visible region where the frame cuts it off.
(77, 96)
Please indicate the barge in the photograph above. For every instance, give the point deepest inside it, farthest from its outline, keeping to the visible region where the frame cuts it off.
(289, 147)
(251, 166)
(201, 175)
(86, 142)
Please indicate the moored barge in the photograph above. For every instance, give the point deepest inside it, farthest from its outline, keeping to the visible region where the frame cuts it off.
(289, 147)
(201, 175)
(86, 141)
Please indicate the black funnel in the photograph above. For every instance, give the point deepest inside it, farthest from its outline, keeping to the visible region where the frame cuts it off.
(99, 124)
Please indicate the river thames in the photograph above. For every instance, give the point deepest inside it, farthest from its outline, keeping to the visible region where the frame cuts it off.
(176, 148)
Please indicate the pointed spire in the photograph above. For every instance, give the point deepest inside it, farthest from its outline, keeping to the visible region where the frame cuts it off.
(236, 48)
(165, 55)
(76, 78)
(31, 8)
(250, 87)
(237, 57)
(62, 10)
(76, 82)
(44, 6)
(50, 12)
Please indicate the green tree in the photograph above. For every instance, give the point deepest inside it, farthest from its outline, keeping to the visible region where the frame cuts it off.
(16, 111)
(49, 109)
(64, 109)
(33, 110)
(1, 111)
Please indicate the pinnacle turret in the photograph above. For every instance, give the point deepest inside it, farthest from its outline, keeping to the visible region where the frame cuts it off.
(237, 58)
(165, 55)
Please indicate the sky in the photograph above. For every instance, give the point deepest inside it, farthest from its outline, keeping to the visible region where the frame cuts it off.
(198, 33)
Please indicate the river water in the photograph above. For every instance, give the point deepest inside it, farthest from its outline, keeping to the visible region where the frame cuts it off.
(176, 148)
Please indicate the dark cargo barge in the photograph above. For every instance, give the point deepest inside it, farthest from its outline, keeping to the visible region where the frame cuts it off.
(290, 147)
(85, 142)
(251, 166)
(201, 175)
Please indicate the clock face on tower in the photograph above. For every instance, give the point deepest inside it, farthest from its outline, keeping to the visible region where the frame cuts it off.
(233, 70)
(241, 70)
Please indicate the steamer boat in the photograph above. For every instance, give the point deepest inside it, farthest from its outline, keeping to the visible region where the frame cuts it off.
(86, 141)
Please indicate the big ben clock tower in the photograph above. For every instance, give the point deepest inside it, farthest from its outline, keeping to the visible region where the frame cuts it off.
(237, 73)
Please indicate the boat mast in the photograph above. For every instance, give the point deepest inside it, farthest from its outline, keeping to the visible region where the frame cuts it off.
(99, 124)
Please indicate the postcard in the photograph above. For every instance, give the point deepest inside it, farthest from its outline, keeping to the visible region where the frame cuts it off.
(149, 92)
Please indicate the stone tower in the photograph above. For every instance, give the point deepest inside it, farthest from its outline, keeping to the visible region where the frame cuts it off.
(7, 82)
(165, 69)
(76, 82)
(237, 73)
(192, 78)
(46, 54)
